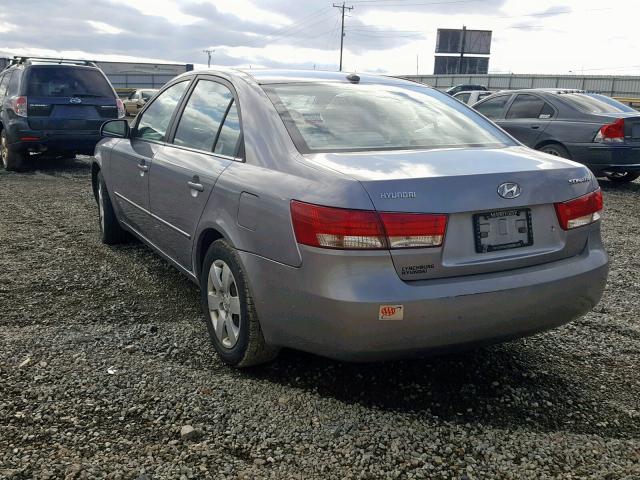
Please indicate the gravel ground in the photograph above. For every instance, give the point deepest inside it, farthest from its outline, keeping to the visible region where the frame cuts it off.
(104, 358)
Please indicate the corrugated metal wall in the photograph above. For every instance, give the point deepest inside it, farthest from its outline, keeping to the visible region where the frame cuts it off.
(615, 86)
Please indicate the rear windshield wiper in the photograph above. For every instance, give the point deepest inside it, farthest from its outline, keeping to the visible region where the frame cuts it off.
(92, 95)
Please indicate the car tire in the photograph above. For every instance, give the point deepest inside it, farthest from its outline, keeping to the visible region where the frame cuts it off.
(622, 177)
(11, 160)
(555, 149)
(229, 310)
(111, 233)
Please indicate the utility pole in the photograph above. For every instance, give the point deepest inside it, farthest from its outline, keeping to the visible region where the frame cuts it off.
(343, 8)
(462, 47)
(209, 55)
(417, 65)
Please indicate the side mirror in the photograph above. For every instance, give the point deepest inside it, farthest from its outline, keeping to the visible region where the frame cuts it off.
(115, 128)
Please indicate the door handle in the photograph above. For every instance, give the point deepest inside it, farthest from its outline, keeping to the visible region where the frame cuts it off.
(196, 186)
(535, 127)
(143, 167)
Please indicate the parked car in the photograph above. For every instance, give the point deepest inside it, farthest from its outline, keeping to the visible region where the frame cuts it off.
(465, 87)
(589, 128)
(137, 99)
(357, 217)
(472, 96)
(52, 108)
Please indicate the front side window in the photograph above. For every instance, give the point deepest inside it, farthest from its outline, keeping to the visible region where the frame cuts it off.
(331, 117)
(463, 97)
(529, 106)
(203, 115)
(493, 107)
(155, 120)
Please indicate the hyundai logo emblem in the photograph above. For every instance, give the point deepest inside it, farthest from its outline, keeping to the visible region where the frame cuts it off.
(75, 100)
(509, 190)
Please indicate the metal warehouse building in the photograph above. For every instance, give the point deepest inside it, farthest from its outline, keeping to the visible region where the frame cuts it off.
(614, 86)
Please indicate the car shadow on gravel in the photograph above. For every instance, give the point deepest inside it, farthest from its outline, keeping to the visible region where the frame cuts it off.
(500, 386)
(609, 186)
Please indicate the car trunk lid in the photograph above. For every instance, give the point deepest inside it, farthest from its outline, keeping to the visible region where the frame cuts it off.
(463, 183)
(70, 113)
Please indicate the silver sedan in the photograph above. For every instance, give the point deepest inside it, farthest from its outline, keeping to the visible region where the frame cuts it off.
(353, 216)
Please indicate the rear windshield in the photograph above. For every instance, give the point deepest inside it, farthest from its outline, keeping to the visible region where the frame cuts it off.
(333, 117)
(67, 82)
(595, 103)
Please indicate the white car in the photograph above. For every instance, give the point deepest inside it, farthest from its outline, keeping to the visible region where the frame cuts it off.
(473, 96)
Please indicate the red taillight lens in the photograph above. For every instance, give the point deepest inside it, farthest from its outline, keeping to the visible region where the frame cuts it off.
(412, 230)
(329, 227)
(580, 211)
(121, 111)
(19, 106)
(612, 132)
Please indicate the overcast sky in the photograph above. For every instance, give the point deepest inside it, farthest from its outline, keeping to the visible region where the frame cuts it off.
(541, 36)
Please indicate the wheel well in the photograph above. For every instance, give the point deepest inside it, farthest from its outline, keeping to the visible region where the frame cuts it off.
(550, 142)
(207, 237)
(95, 168)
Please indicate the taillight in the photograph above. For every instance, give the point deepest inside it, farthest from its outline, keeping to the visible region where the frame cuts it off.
(411, 230)
(336, 227)
(121, 111)
(19, 106)
(329, 227)
(580, 211)
(611, 132)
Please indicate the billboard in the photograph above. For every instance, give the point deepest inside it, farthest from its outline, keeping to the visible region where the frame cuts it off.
(445, 65)
(475, 41)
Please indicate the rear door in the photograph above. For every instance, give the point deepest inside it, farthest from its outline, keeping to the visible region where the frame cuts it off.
(527, 117)
(68, 97)
(205, 141)
(132, 158)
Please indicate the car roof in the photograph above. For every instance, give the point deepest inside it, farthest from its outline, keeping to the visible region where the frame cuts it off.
(556, 91)
(273, 76)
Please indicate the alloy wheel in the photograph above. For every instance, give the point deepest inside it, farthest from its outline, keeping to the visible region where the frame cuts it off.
(101, 206)
(224, 303)
(4, 151)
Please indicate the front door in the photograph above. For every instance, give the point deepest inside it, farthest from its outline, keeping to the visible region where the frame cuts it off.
(132, 159)
(205, 142)
(528, 116)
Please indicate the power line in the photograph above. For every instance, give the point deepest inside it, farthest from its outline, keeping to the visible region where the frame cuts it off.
(342, 7)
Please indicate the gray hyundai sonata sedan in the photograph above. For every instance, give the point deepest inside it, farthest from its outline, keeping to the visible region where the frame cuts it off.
(353, 216)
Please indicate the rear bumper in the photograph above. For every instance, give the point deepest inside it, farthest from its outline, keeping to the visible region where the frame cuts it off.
(77, 141)
(330, 306)
(600, 157)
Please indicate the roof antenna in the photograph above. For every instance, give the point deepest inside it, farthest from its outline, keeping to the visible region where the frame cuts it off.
(353, 78)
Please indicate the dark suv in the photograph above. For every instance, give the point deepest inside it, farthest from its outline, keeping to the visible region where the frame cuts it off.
(52, 108)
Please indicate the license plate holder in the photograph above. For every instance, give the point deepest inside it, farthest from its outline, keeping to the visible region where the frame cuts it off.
(502, 230)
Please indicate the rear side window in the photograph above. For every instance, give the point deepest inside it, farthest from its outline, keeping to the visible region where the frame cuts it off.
(65, 81)
(203, 115)
(333, 117)
(4, 81)
(595, 103)
(12, 87)
(154, 121)
(227, 143)
(529, 106)
(493, 107)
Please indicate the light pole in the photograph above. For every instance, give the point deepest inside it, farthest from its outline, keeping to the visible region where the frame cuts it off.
(209, 55)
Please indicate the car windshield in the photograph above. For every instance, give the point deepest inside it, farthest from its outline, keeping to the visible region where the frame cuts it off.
(64, 81)
(147, 95)
(333, 117)
(595, 103)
